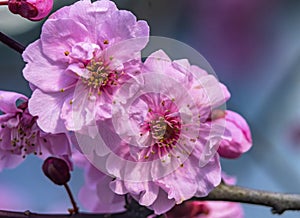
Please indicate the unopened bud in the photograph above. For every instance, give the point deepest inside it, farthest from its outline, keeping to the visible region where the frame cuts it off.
(56, 170)
(31, 9)
(189, 209)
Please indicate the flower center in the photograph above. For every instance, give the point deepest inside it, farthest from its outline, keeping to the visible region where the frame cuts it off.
(163, 132)
(158, 128)
(24, 137)
(163, 125)
(99, 74)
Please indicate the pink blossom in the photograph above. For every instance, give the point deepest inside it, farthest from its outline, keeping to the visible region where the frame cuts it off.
(206, 209)
(31, 9)
(20, 135)
(86, 51)
(239, 138)
(164, 151)
(95, 195)
(98, 197)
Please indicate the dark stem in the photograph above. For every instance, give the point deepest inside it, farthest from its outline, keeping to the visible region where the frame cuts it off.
(11, 43)
(75, 209)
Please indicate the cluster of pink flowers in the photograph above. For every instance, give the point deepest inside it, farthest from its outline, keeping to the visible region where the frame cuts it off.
(153, 130)
(21, 136)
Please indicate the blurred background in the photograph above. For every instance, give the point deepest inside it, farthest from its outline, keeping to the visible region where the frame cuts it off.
(253, 46)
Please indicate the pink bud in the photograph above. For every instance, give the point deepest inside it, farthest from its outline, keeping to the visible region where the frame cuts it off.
(31, 9)
(188, 209)
(238, 138)
(56, 170)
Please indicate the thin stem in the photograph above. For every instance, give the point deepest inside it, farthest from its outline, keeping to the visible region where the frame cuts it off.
(75, 208)
(3, 2)
(11, 43)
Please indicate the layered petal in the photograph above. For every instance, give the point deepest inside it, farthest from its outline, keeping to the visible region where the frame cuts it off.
(91, 48)
(49, 115)
(58, 37)
(8, 102)
(45, 74)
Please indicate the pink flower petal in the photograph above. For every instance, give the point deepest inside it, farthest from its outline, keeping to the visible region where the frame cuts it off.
(54, 80)
(163, 203)
(92, 16)
(8, 101)
(158, 61)
(58, 37)
(49, 115)
(56, 144)
(9, 161)
(173, 183)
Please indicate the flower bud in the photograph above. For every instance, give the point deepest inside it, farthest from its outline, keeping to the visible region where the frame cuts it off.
(56, 170)
(189, 209)
(238, 136)
(31, 9)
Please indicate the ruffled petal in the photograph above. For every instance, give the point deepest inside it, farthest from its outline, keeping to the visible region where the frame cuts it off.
(57, 144)
(44, 74)
(92, 16)
(58, 37)
(8, 101)
(48, 115)
(123, 26)
(158, 62)
(174, 182)
(208, 177)
(162, 203)
(100, 198)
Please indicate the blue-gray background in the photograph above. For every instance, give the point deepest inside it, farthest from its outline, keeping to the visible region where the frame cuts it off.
(253, 46)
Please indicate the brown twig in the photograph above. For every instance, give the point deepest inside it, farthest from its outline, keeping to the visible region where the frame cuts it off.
(28, 214)
(279, 203)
